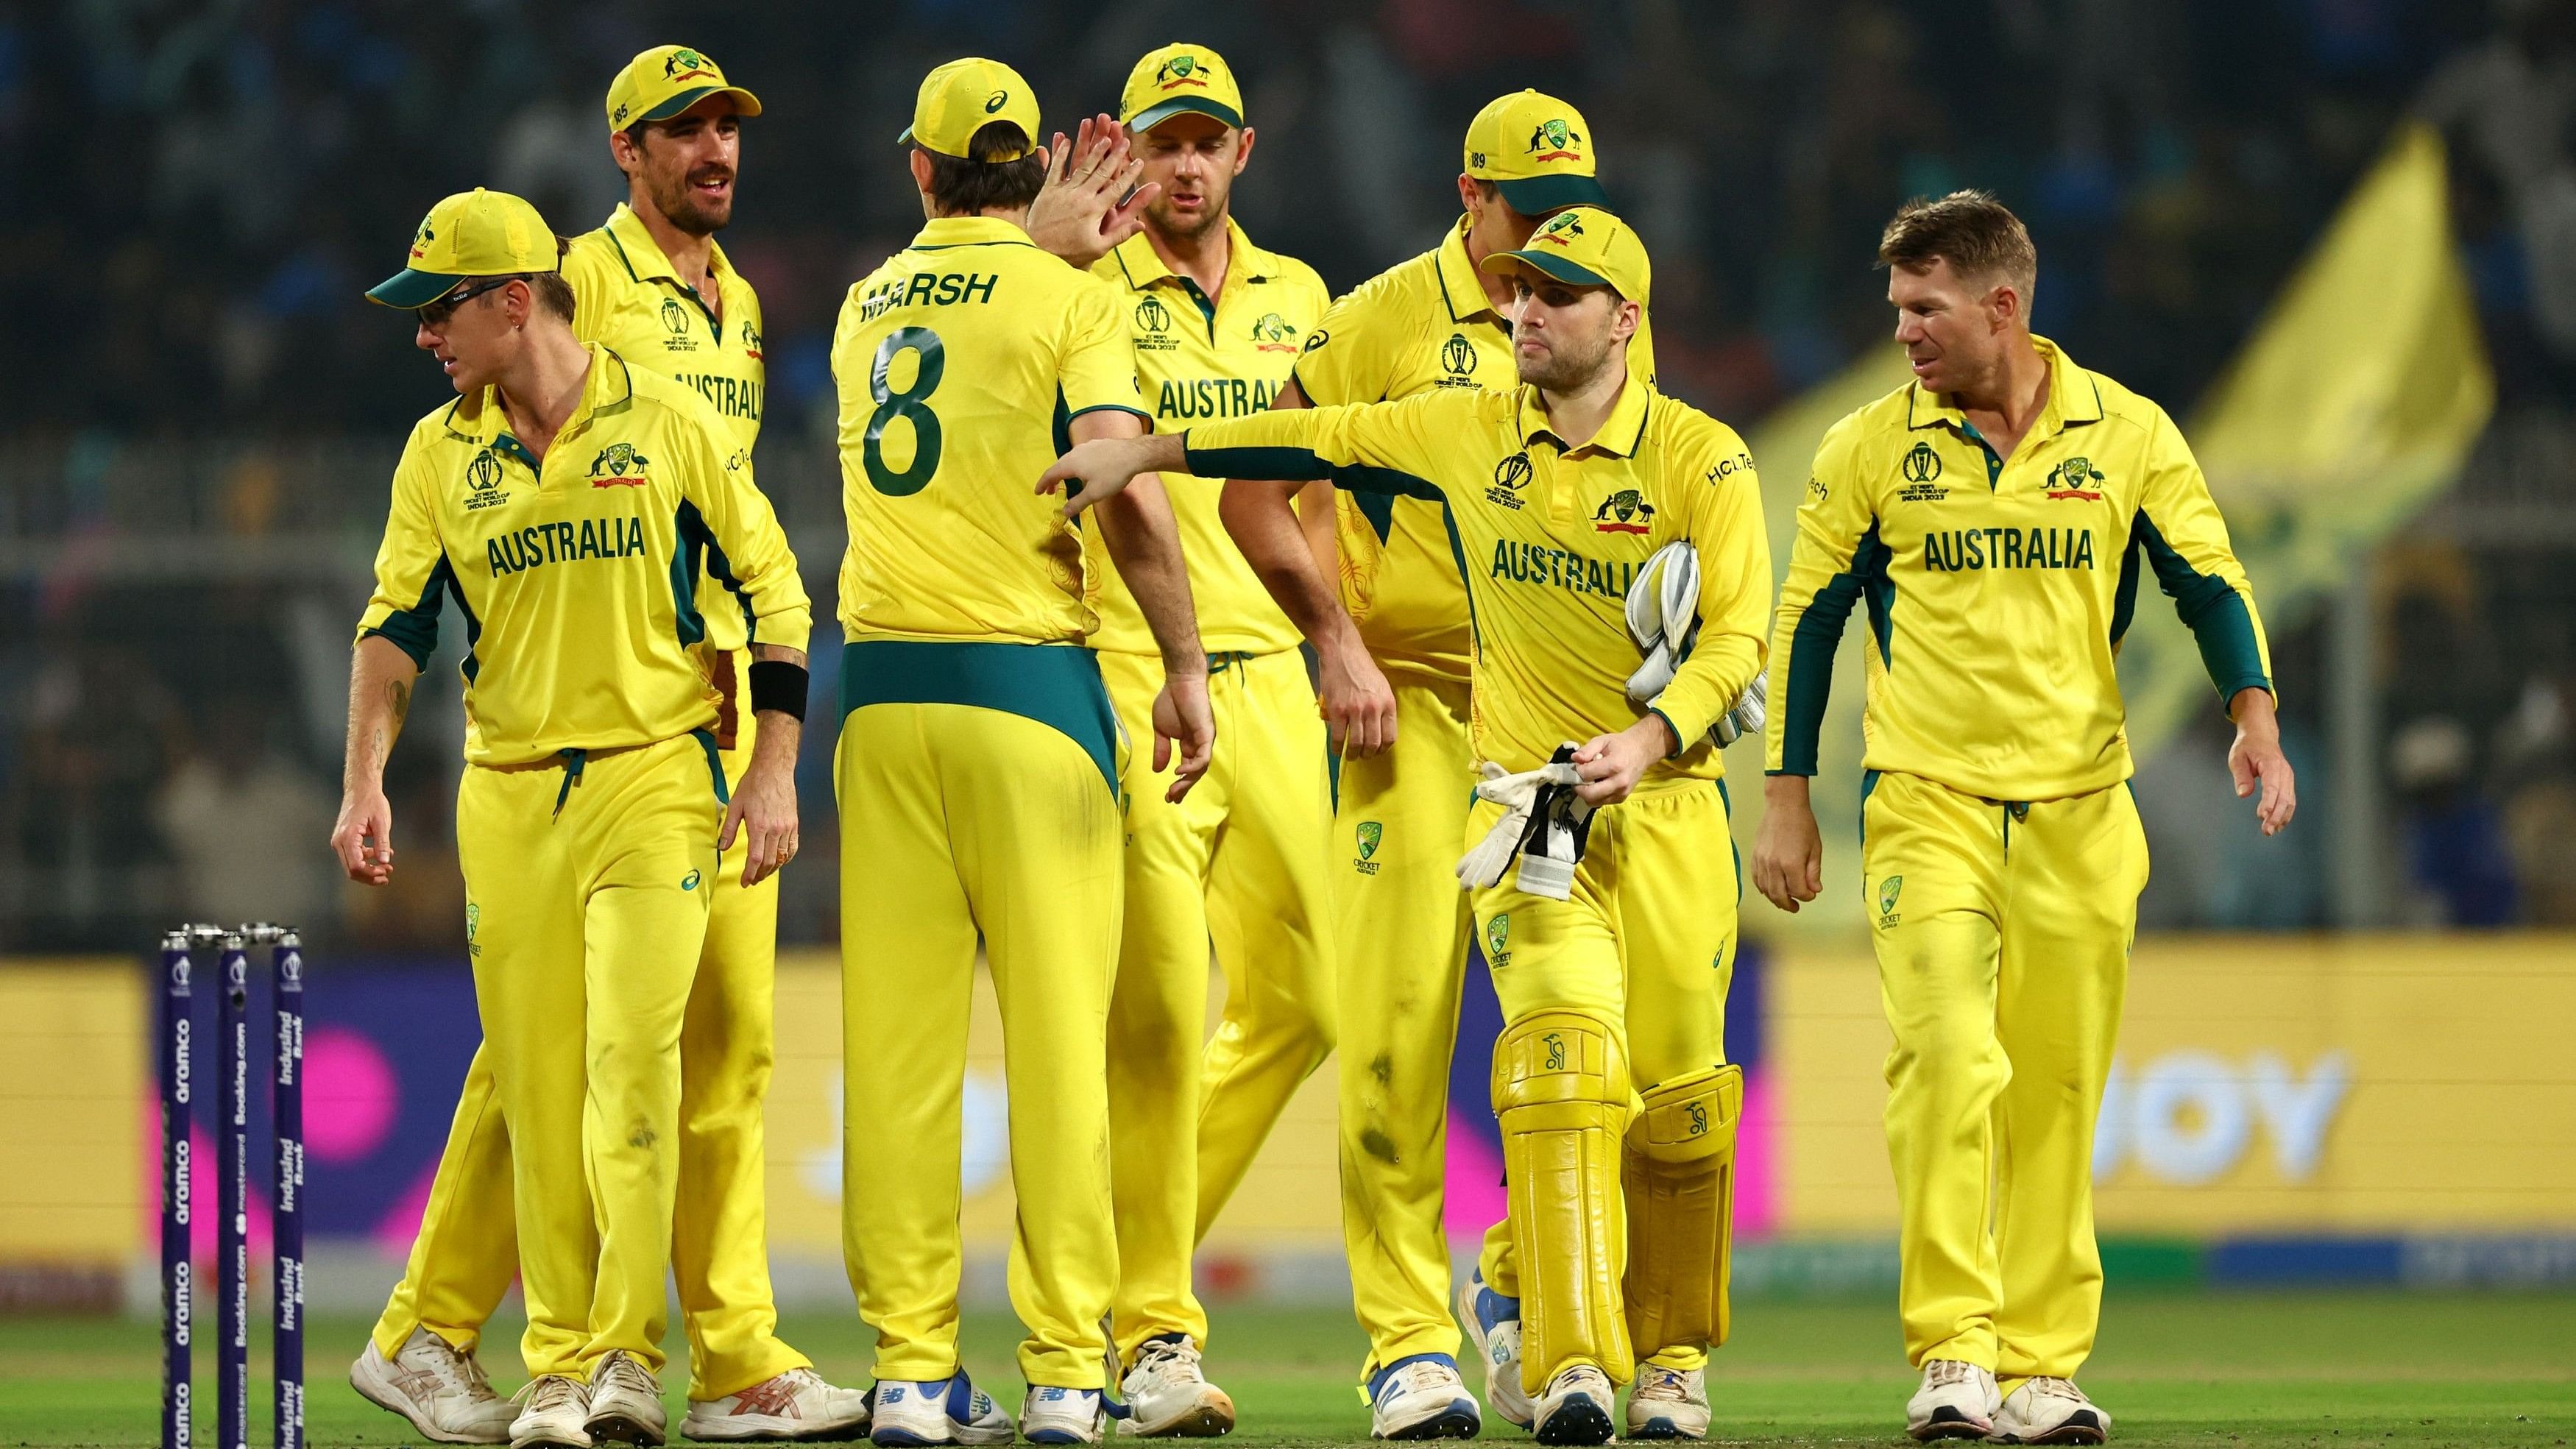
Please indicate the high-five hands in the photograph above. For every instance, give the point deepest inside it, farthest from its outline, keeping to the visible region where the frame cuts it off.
(1091, 201)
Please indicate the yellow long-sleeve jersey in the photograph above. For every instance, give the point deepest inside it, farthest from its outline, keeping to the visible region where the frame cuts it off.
(577, 576)
(1998, 589)
(1421, 325)
(1549, 539)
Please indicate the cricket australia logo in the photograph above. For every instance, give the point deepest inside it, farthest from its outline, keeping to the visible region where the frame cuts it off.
(1181, 70)
(473, 927)
(1888, 890)
(1554, 140)
(2069, 478)
(1273, 334)
(619, 466)
(483, 482)
(1498, 941)
(1510, 476)
(684, 63)
(421, 239)
(1625, 511)
(750, 340)
(1561, 229)
(1370, 832)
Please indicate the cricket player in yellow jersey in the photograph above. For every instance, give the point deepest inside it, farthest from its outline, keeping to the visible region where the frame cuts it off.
(675, 129)
(561, 500)
(1238, 865)
(980, 761)
(1997, 515)
(1436, 321)
(1611, 960)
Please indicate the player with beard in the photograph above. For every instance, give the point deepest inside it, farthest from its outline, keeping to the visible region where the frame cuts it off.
(1238, 863)
(653, 287)
(1610, 958)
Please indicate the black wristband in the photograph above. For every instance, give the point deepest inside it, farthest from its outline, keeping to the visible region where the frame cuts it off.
(779, 685)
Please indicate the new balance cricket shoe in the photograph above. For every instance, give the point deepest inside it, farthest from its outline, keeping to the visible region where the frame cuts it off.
(1957, 1401)
(943, 1411)
(625, 1402)
(1575, 1409)
(1422, 1397)
(1061, 1416)
(1493, 1324)
(1668, 1403)
(2050, 1411)
(552, 1411)
(438, 1387)
(1168, 1395)
(797, 1404)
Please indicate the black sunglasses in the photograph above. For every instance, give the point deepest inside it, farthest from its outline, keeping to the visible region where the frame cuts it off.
(435, 314)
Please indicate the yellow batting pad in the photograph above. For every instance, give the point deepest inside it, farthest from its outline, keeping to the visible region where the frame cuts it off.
(1680, 1177)
(1561, 1090)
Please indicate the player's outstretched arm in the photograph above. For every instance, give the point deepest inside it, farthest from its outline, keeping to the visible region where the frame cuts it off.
(380, 682)
(763, 807)
(2256, 759)
(1090, 202)
(1100, 467)
(1788, 851)
(1358, 707)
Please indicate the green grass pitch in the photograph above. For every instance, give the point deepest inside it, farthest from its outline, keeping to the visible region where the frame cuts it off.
(2215, 1369)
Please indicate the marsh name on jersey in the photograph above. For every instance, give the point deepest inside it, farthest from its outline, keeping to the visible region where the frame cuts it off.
(927, 289)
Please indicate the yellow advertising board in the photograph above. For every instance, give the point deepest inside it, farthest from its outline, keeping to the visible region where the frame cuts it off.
(2323, 1084)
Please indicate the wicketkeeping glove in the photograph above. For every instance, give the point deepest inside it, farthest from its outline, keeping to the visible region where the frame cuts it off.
(1663, 618)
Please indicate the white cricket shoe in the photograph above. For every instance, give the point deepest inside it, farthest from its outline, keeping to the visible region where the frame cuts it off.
(797, 1404)
(1957, 1401)
(1493, 1324)
(1422, 1397)
(1575, 1409)
(625, 1402)
(1061, 1416)
(553, 1409)
(943, 1411)
(2051, 1411)
(1168, 1395)
(438, 1387)
(1668, 1403)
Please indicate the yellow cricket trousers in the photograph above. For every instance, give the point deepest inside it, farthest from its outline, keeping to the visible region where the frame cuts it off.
(1238, 867)
(1646, 945)
(1400, 926)
(2003, 934)
(586, 890)
(463, 1259)
(976, 783)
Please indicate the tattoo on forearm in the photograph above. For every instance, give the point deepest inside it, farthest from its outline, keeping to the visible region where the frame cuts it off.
(398, 694)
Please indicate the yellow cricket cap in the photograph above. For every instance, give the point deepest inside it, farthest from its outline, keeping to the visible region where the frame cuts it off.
(964, 96)
(1179, 77)
(474, 233)
(662, 82)
(1587, 247)
(1537, 150)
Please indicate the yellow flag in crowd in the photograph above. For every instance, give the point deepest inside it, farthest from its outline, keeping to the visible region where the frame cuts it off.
(2353, 405)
